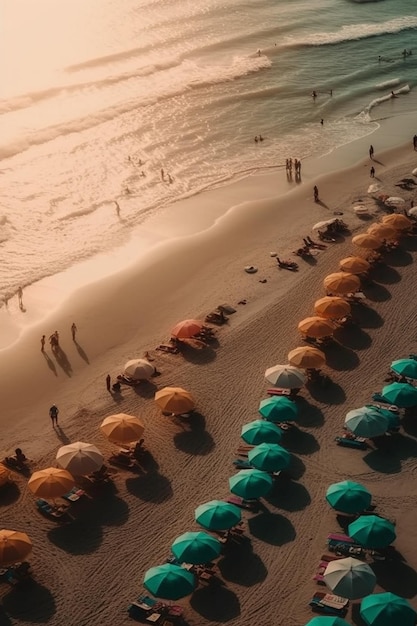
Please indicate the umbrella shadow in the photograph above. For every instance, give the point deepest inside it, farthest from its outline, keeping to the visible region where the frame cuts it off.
(148, 462)
(390, 452)
(197, 356)
(409, 424)
(340, 358)
(81, 352)
(50, 363)
(151, 487)
(109, 510)
(299, 442)
(4, 619)
(272, 528)
(242, 566)
(377, 293)
(409, 243)
(353, 337)
(10, 492)
(146, 389)
(309, 415)
(80, 537)
(399, 258)
(288, 495)
(215, 604)
(37, 607)
(356, 616)
(194, 439)
(385, 274)
(365, 317)
(61, 435)
(396, 577)
(332, 393)
(62, 360)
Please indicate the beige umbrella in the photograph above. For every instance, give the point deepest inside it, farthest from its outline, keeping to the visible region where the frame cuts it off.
(365, 240)
(354, 265)
(174, 400)
(316, 327)
(51, 483)
(306, 357)
(332, 307)
(187, 329)
(122, 428)
(383, 231)
(139, 369)
(396, 220)
(79, 458)
(342, 283)
(14, 547)
(4, 475)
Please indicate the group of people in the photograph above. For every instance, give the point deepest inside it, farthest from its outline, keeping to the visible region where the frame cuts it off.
(54, 338)
(166, 177)
(289, 164)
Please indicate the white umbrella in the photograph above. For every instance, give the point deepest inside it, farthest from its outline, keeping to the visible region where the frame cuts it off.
(139, 369)
(374, 187)
(394, 200)
(285, 376)
(349, 578)
(412, 211)
(79, 459)
(360, 209)
(324, 223)
(414, 172)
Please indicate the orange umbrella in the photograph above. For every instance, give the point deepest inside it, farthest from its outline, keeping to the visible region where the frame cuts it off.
(14, 547)
(354, 265)
(365, 240)
(307, 357)
(122, 428)
(396, 220)
(342, 283)
(332, 307)
(175, 400)
(51, 482)
(383, 231)
(187, 329)
(316, 327)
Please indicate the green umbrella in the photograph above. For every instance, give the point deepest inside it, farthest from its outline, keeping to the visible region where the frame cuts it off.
(348, 497)
(269, 457)
(392, 417)
(196, 548)
(372, 531)
(261, 431)
(327, 620)
(170, 582)
(366, 422)
(403, 395)
(387, 609)
(250, 483)
(278, 409)
(405, 367)
(349, 578)
(217, 515)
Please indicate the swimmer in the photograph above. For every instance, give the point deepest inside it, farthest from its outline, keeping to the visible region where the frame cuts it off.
(256, 139)
(314, 94)
(393, 95)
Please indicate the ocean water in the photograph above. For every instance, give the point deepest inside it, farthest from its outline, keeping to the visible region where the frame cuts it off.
(96, 97)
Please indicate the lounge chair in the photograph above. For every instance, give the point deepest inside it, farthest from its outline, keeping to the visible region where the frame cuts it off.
(124, 461)
(166, 347)
(216, 317)
(348, 441)
(249, 505)
(47, 509)
(17, 574)
(321, 568)
(329, 604)
(74, 495)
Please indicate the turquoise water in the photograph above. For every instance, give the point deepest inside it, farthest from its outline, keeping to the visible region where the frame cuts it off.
(97, 97)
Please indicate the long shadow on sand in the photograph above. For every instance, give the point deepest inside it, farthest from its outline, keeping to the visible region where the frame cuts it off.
(216, 604)
(272, 528)
(81, 352)
(390, 453)
(196, 356)
(309, 415)
(62, 360)
(151, 487)
(10, 492)
(193, 439)
(242, 566)
(399, 258)
(409, 243)
(353, 337)
(50, 363)
(332, 393)
(146, 389)
(35, 604)
(366, 317)
(377, 293)
(80, 537)
(288, 495)
(397, 577)
(385, 274)
(299, 442)
(340, 358)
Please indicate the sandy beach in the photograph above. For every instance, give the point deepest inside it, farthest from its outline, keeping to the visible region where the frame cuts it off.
(89, 571)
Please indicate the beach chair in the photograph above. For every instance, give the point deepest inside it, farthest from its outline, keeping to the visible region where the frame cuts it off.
(249, 505)
(321, 568)
(124, 461)
(352, 442)
(329, 604)
(53, 512)
(74, 495)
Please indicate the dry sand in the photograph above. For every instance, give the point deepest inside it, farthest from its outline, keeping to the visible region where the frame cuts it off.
(87, 572)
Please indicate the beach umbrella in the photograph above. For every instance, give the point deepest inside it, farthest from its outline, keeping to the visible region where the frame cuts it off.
(316, 327)
(285, 376)
(383, 231)
(324, 223)
(187, 329)
(4, 475)
(217, 515)
(269, 457)
(348, 497)
(365, 240)
(174, 400)
(396, 220)
(403, 395)
(366, 422)
(342, 283)
(372, 531)
(80, 459)
(405, 367)
(261, 431)
(332, 307)
(349, 578)
(139, 369)
(387, 609)
(51, 483)
(354, 265)
(250, 483)
(170, 582)
(327, 620)
(394, 200)
(412, 211)
(122, 428)
(306, 357)
(393, 417)
(14, 547)
(196, 548)
(278, 409)
(374, 187)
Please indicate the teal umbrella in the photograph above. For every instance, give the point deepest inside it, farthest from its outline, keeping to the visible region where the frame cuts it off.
(217, 515)
(348, 497)
(405, 367)
(260, 431)
(327, 620)
(366, 422)
(392, 417)
(170, 582)
(278, 409)
(269, 457)
(372, 531)
(196, 548)
(403, 395)
(387, 609)
(250, 483)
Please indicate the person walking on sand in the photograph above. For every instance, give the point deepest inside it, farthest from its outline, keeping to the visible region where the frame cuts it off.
(20, 296)
(108, 382)
(415, 142)
(53, 414)
(316, 193)
(43, 339)
(371, 152)
(162, 174)
(73, 331)
(117, 208)
(372, 172)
